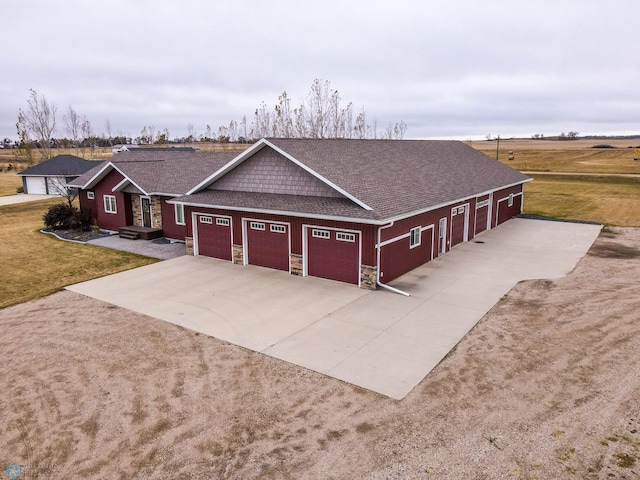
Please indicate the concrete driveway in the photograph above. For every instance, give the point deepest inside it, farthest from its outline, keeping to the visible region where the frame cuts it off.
(378, 340)
(23, 198)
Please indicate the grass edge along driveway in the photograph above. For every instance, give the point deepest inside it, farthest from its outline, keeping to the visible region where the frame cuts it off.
(35, 264)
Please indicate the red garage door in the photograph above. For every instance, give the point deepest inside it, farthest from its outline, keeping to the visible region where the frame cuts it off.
(268, 244)
(482, 213)
(458, 221)
(333, 254)
(214, 236)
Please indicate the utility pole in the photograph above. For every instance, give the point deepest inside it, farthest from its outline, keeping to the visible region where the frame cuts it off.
(498, 147)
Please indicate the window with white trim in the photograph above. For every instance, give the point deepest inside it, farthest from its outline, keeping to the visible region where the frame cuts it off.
(110, 204)
(414, 237)
(454, 211)
(461, 210)
(179, 212)
(91, 195)
(223, 222)
(277, 228)
(205, 219)
(510, 200)
(482, 204)
(257, 226)
(320, 233)
(345, 237)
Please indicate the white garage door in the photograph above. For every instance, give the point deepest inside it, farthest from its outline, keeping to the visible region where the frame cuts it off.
(36, 185)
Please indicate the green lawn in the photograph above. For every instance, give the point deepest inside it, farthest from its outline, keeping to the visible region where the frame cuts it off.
(35, 264)
(607, 200)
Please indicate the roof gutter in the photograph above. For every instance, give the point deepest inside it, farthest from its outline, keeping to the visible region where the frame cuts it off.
(378, 251)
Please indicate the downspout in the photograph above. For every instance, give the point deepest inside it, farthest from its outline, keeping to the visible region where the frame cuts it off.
(378, 248)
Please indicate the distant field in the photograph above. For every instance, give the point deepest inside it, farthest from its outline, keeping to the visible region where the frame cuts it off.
(574, 156)
(8, 156)
(607, 200)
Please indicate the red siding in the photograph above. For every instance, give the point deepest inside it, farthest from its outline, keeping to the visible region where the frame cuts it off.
(398, 258)
(170, 228)
(87, 204)
(501, 210)
(123, 217)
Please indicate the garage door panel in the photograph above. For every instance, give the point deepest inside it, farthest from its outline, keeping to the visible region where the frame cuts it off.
(457, 226)
(333, 255)
(268, 245)
(214, 237)
(481, 219)
(36, 185)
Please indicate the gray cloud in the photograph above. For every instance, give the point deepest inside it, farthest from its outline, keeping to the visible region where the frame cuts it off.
(457, 68)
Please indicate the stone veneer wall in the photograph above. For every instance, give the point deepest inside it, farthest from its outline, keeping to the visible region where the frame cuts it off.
(296, 264)
(368, 277)
(238, 255)
(156, 211)
(188, 242)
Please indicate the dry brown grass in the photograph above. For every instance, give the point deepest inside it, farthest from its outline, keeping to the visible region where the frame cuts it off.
(35, 264)
(9, 183)
(606, 200)
(566, 156)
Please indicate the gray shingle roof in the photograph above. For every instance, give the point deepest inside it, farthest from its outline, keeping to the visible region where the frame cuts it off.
(272, 202)
(396, 177)
(61, 165)
(169, 171)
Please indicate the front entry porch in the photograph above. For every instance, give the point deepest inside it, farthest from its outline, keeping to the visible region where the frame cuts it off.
(134, 232)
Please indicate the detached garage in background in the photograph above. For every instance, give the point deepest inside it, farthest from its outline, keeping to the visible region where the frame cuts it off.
(51, 176)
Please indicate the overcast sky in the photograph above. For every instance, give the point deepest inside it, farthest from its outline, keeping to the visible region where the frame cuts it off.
(448, 68)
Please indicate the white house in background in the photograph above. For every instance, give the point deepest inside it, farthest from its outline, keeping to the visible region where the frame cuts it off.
(51, 176)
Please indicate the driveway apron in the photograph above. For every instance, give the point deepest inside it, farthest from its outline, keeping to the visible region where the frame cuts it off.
(377, 340)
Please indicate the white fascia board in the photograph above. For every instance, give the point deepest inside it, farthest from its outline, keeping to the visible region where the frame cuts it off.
(320, 177)
(280, 212)
(163, 194)
(234, 162)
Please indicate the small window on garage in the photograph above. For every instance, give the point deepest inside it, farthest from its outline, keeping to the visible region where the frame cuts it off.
(320, 233)
(205, 219)
(510, 200)
(414, 237)
(454, 211)
(345, 237)
(277, 228)
(179, 212)
(91, 195)
(461, 210)
(110, 204)
(257, 226)
(223, 222)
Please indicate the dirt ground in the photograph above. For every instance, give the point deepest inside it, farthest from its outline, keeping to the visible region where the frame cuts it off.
(546, 386)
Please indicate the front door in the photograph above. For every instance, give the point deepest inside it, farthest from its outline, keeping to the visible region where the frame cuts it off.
(442, 236)
(146, 211)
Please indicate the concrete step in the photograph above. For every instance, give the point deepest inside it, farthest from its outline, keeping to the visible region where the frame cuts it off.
(128, 235)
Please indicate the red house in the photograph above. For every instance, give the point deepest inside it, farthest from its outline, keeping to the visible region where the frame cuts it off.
(357, 211)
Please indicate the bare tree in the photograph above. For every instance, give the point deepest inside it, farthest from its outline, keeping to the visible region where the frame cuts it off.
(107, 126)
(87, 134)
(191, 133)
(72, 125)
(38, 121)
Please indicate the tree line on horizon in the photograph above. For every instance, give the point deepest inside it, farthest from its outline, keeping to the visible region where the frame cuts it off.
(321, 114)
